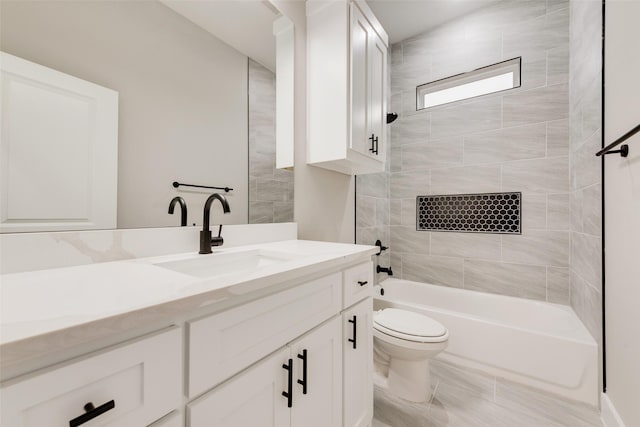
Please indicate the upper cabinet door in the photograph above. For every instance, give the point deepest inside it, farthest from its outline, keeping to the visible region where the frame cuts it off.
(377, 98)
(58, 150)
(360, 87)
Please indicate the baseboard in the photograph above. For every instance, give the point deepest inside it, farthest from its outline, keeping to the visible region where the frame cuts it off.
(609, 415)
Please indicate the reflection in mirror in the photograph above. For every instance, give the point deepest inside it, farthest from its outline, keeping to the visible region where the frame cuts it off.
(184, 109)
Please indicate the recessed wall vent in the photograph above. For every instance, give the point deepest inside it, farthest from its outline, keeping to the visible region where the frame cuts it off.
(470, 213)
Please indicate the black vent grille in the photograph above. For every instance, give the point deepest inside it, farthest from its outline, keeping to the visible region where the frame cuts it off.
(471, 213)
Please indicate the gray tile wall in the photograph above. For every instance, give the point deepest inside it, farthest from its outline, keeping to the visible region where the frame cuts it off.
(585, 81)
(270, 189)
(515, 141)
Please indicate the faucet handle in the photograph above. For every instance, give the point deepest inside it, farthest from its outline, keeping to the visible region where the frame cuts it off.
(218, 240)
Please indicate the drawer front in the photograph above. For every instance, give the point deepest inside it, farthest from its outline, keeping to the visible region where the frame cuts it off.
(134, 383)
(225, 343)
(358, 283)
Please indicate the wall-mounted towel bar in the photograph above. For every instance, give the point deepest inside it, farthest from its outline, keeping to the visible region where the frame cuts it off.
(177, 184)
(624, 149)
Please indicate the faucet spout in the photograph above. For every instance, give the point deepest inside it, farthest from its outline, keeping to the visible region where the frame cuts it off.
(183, 209)
(206, 241)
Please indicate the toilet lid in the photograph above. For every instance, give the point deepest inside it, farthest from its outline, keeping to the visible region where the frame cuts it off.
(408, 323)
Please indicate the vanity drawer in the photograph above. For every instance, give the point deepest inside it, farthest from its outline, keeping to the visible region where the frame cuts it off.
(358, 283)
(134, 384)
(225, 343)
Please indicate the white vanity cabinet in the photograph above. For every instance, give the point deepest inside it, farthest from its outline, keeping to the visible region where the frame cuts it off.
(347, 87)
(299, 385)
(322, 378)
(297, 355)
(358, 364)
(132, 385)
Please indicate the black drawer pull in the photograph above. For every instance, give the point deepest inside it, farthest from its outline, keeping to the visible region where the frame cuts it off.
(354, 321)
(91, 412)
(289, 393)
(303, 382)
(362, 283)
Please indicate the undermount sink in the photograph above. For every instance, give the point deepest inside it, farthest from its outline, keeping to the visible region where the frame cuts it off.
(218, 264)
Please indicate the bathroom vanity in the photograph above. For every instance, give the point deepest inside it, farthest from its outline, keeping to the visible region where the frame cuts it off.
(274, 334)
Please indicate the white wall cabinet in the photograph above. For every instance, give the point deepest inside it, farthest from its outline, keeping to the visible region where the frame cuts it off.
(347, 87)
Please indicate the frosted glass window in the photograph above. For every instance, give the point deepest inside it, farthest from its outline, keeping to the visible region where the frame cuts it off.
(483, 81)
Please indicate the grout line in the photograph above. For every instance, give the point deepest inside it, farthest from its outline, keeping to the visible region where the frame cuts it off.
(433, 395)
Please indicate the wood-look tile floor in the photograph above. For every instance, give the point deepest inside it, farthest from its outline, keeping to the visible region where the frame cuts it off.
(465, 398)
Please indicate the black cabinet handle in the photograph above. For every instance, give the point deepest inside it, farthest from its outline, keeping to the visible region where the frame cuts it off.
(91, 412)
(354, 321)
(362, 283)
(303, 382)
(374, 144)
(288, 394)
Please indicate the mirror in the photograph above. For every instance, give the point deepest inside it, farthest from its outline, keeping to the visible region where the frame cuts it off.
(196, 101)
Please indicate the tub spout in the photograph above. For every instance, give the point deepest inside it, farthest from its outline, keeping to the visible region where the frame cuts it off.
(384, 270)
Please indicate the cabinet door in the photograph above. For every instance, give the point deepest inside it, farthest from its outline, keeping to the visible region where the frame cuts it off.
(377, 95)
(358, 364)
(360, 38)
(252, 398)
(321, 406)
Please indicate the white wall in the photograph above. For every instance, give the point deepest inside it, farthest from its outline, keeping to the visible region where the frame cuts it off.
(324, 205)
(183, 97)
(622, 209)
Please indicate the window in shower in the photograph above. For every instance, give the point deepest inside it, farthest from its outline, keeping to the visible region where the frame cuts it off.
(482, 81)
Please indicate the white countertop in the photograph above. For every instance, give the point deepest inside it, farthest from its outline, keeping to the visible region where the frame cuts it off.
(70, 304)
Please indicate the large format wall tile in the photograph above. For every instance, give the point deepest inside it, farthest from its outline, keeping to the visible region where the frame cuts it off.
(467, 245)
(408, 240)
(586, 256)
(558, 211)
(533, 38)
(440, 153)
(537, 247)
(518, 140)
(503, 145)
(558, 138)
(536, 105)
(467, 179)
(466, 117)
(586, 301)
(446, 271)
(409, 184)
(271, 189)
(558, 285)
(549, 175)
(524, 281)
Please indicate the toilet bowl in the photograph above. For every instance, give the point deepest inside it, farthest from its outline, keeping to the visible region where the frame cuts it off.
(404, 342)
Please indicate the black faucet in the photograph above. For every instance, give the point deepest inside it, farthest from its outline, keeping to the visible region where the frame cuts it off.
(384, 270)
(183, 209)
(206, 241)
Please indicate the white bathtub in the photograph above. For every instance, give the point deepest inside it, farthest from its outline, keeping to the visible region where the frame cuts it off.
(536, 343)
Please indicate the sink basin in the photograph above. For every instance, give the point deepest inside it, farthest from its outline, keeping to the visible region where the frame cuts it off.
(218, 264)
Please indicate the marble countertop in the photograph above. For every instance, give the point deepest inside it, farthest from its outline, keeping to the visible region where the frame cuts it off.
(72, 304)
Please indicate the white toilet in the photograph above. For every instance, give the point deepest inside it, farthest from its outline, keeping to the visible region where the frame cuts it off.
(404, 342)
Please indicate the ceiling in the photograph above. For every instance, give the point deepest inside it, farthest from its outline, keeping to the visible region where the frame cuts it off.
(245, 25)
(406, 18)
